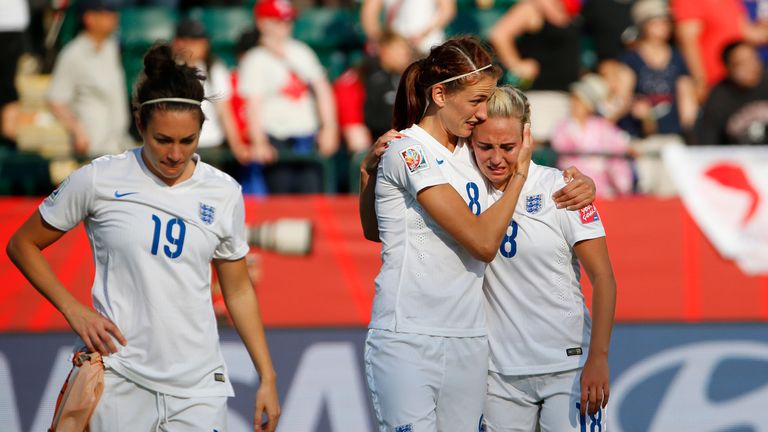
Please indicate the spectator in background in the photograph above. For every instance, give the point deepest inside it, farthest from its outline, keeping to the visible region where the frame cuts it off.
(736, 111)
(191, 44)
(704, 28)
(365, 96)
(290, 102)
(87, 93)
(605, 21)
(251, 175)
(422, 22)
(664, 100)
(604, 145)
(14, 19)
(539, 43)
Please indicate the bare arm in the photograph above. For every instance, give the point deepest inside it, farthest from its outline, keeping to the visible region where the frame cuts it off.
(63, 114)
(357, 137)
(328, 135)
(25, 250)
(687, 105)
(595, 378)
(480, 234)
(521, 18)
(243, 307)
(236, 145)
(261, 149)
(688, 33)
(446, 11)
(369, 17)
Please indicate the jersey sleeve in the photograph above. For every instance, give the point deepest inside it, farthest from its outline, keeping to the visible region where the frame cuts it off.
(411, 167)
(578, 225)
(234, 245)
(71, 202)
(250, 82)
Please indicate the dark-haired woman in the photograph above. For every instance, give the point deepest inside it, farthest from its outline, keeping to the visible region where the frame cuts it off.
(427, 352)
(156, 216)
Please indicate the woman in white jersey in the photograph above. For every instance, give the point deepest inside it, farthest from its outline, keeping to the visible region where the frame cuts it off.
(548, 363)
(156, 218)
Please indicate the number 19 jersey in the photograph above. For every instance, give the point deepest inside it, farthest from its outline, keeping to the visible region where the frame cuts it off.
(152, 247)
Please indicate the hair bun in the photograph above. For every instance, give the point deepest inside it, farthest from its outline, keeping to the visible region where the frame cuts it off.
(159, 62)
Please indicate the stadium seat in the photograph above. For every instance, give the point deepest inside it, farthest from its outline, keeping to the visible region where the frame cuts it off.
(140, 27)
(334, 34)
(224, 26)
(474, 21)
(329, 28)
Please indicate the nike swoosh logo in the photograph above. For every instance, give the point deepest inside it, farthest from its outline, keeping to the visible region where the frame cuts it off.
(439, 161)
(120, 195)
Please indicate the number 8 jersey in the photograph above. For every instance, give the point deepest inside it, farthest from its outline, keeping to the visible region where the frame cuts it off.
(537, 320)
(152, 246)
(428, 283)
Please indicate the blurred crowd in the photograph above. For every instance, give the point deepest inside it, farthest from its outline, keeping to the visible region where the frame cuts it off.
(611, 82)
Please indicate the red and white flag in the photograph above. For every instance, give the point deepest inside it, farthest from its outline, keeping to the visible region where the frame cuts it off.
(725, 189)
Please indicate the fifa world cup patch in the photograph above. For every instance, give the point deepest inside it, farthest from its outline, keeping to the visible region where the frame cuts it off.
(207, 213)
(533, 203)
(414, 159)
(589, 214)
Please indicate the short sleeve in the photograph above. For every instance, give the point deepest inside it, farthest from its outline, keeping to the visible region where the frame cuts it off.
(61, 88)
(683, 10)
(578, 225)
(306, 63)
(71, 202)
(234, 244)
(249, 83)
(410, 166)
(220, 82)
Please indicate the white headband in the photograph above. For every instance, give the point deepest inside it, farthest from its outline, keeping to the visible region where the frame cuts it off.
(172, 99)
(463, 75)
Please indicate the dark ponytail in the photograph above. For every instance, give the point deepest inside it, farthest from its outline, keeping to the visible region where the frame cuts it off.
(163, 77)
(455, 57)
(410, 100)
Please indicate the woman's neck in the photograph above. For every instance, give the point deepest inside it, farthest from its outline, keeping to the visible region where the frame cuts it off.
(433, 126)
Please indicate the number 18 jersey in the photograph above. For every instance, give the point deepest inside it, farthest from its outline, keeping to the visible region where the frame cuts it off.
(537, 320)
(152, 247)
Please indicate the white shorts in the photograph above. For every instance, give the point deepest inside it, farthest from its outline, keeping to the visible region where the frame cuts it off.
(126, 406)
(422, 383)
(520, 403)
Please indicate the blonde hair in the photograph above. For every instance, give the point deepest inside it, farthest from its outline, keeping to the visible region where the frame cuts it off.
(508, 101)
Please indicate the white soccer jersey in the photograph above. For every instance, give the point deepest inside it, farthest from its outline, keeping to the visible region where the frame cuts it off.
(428, 282)
(537, 319)
(152, 246)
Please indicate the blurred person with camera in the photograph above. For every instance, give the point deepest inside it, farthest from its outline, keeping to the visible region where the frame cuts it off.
(290, 103)
(87, 93)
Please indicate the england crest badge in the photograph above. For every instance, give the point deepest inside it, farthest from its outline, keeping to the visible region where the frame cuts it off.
(533, 203)
(207, 213)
